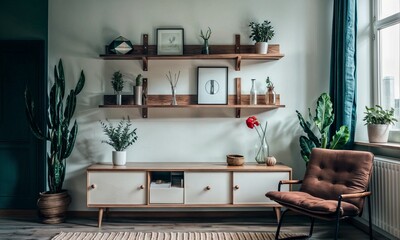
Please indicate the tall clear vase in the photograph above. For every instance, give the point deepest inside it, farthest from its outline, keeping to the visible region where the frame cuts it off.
(261, 150)
(173, 101)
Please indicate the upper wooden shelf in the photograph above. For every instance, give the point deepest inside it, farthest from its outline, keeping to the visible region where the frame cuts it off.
(235, 52)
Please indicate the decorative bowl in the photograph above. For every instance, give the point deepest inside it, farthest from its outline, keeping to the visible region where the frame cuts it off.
(235, 160)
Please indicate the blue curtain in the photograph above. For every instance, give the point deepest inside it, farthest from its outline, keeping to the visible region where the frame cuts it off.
(343, 66)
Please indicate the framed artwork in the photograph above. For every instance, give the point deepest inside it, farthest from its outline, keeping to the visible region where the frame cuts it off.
(212, 85)
(170, 41)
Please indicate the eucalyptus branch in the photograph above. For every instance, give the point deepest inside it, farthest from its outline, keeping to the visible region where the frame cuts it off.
(173, 81)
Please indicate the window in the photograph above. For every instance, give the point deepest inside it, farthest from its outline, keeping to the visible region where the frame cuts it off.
(387, 32)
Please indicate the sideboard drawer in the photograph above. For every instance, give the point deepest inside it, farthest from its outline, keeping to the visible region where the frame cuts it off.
(207, 187)
(118, 188)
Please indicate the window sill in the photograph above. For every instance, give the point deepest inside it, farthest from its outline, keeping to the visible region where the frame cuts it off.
(388, 145)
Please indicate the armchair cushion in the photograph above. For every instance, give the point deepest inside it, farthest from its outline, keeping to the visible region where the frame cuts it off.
(306, 203)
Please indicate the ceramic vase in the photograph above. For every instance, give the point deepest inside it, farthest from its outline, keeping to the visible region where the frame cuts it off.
(119, 158)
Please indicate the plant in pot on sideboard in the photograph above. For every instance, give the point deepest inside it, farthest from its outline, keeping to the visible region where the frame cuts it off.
(53, 204)
(378, 122)
(120, 137)
(261, 33)
(118, 84)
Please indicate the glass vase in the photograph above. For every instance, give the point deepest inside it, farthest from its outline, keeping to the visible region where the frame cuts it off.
(270, 97)
(261, 151)
(173, 101)
(205, 49)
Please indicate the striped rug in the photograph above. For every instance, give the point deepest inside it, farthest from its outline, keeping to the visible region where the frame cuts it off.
(168, 236)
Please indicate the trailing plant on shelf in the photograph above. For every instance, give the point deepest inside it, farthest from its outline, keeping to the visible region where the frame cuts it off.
(120, 136)
(59, 134)
(323, 119)
(377, 115)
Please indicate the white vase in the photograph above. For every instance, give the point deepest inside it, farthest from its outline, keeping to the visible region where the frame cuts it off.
(378, 133)
(138, 94)
(261, 47)
(119, 158)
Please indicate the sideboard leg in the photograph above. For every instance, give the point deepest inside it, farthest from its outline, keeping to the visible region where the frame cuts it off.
(100, 216)
(278, 213)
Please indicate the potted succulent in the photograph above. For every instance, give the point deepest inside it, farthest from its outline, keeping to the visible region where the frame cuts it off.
(138, 90)
(120, 137)
(53, 203)
(118, 84)
(378, 121)
(261, 34)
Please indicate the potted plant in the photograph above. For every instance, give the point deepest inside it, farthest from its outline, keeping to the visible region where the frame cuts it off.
(53, 203)
(261, 34)
(118, 84)
(270, 95)
(138, 90)
(378, 121)
(322, 121)
(120, 137)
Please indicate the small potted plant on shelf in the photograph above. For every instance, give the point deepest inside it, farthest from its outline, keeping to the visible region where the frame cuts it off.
(118, 84)
(120, 137)
(261, 33)
(378, 120)
(138, 90)
(270, 95)
(53, 204)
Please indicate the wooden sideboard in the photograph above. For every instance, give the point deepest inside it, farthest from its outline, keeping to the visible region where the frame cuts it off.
(177, 185)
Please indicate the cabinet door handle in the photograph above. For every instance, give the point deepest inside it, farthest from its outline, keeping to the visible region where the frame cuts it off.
(208, 188)
(141, 187)
(236, 187)
(93, 186)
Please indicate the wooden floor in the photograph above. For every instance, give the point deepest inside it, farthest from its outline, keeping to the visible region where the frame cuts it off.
(23, 228)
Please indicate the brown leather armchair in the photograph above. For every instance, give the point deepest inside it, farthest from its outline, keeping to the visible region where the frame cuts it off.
(334, 187)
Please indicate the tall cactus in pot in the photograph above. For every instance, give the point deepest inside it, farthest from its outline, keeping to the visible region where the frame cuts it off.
(58, 133)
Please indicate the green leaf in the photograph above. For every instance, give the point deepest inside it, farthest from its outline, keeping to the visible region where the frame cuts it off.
(306, 146)
(29, 112)
(80, 84)
(340, 138)
(324, 117)
(61, 79)
(71, 141)
(307, 129)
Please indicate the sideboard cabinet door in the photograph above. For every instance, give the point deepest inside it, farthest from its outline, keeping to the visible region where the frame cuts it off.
(119, 188)
(251, 187)
(207, 187)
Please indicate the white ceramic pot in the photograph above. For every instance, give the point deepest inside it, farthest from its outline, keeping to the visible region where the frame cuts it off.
(261, 47)
(138, 94)
(119, 158)
(378, 133)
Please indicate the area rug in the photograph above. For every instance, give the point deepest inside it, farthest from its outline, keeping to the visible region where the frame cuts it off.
(168, 236)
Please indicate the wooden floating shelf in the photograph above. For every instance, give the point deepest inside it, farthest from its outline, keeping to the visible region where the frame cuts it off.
(195, 106)
(235, 52)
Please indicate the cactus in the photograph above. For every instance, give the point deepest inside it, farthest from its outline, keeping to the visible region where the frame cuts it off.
(139, 81)
(59, 134)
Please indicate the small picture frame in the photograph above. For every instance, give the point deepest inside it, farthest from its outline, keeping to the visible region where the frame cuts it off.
(170, 41)
(212, 85)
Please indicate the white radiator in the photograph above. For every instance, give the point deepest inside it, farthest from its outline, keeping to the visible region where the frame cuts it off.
(385, 199)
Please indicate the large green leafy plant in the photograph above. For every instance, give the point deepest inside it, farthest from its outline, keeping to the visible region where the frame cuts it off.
(322, 121)
(59, 134)
(121, 136)
(261, 32)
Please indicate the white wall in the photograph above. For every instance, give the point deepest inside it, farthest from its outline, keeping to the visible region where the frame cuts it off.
(78, 31)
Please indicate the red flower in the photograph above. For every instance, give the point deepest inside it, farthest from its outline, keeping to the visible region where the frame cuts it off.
(252, 121)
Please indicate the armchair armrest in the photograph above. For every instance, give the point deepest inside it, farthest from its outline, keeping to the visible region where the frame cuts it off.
(288, 182)
(355, 195)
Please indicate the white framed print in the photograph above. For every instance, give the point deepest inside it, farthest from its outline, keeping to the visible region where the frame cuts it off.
(170, 41)
(212, 85)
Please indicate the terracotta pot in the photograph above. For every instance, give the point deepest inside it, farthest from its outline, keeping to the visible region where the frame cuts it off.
(378, 133)
(53, 206)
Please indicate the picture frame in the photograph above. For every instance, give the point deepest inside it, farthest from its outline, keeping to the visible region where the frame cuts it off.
(212, 85)
(170, 41)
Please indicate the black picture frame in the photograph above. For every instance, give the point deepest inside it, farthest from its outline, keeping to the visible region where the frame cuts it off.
(170, 41)
(212, 85)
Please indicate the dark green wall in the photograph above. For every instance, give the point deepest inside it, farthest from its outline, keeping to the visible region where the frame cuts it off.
(23, 19)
